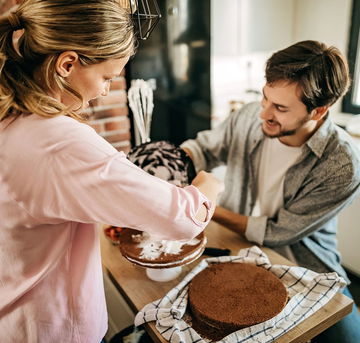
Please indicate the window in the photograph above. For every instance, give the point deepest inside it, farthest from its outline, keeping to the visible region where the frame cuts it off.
(351, 102)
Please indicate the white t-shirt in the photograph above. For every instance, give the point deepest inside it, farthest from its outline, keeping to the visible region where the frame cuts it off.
(276, 159)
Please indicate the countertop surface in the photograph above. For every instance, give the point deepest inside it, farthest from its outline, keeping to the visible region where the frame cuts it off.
(138, 290)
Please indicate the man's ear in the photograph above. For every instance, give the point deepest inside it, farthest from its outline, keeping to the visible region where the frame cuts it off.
(319, 112)
(65, 63)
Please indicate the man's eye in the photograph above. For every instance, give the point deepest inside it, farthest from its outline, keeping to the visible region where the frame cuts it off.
(281, 109)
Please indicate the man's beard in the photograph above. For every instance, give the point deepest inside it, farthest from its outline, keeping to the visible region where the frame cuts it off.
(280, 134)
(285, 133)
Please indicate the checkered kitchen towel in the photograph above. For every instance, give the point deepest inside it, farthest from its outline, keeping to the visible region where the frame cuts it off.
(308, 291)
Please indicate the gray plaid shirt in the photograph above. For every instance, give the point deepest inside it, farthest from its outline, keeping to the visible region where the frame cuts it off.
(324, 180)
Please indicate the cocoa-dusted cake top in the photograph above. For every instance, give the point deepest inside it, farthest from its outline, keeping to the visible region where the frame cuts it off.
(164, 160)
(149, 251)
(226, 297)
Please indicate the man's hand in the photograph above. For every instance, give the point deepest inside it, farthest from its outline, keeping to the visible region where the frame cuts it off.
(210, 186)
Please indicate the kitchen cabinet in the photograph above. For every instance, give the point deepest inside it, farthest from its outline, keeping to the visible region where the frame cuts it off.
(119, 313)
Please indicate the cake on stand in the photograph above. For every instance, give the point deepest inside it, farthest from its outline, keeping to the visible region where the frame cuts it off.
(167, 161)
(162, 259)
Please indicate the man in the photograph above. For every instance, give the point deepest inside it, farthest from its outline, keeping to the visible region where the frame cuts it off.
(290, 170)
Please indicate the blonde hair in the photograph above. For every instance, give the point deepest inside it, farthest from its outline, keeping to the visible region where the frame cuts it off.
(97, 30)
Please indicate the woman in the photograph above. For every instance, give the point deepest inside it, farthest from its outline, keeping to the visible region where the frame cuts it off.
(58, 177)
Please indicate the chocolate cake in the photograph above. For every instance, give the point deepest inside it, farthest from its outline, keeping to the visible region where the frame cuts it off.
(170, 163)
(226, 297)
(164, 160)
(147, 251)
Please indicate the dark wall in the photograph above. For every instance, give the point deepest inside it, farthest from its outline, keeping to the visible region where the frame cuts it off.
(177, 55)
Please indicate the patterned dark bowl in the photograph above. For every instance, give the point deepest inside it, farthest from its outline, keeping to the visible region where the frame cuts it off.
(164, 160)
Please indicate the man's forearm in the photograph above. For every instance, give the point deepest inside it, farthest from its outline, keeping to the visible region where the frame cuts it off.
(233, 221)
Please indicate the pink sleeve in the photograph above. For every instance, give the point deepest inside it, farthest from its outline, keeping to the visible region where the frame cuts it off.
(87, 180)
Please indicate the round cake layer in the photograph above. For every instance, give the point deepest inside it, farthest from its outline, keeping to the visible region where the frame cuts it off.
(164, 160)
(145, 250)
(226, 297)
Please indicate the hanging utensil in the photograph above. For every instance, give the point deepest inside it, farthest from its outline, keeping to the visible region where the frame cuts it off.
(140, 96)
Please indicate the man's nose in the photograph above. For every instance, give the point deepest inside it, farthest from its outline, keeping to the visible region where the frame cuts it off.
(267, 113)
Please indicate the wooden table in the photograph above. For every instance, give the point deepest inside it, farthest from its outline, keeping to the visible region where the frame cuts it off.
(138, 290)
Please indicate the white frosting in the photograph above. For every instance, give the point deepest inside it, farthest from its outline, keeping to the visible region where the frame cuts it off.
(185, 260)
(152, 247)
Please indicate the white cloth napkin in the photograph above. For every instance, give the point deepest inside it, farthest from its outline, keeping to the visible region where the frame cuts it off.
(308, 291)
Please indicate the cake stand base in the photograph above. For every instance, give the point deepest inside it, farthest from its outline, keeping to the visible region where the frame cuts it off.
(163, 275)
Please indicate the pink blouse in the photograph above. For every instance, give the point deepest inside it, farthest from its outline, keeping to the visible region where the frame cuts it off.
(57, 179)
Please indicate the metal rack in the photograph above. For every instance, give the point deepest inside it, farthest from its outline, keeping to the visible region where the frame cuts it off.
(146, 15)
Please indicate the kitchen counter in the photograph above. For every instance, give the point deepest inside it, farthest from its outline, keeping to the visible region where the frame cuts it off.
(138, 290)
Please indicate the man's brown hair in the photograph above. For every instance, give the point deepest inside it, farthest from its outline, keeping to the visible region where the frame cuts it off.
(322, 72)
